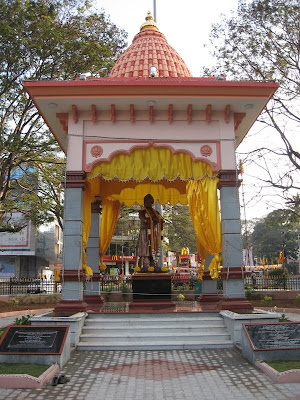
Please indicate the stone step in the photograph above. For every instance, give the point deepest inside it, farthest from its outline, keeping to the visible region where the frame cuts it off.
(157, 337)
(174, 329)
(154, 332)
(152, 321)
(143, 345)
(175, 316)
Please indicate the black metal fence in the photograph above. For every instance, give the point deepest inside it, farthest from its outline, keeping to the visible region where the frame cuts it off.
(261, 283)
(14, 286)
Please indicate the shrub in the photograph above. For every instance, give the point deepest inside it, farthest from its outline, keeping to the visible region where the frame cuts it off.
(270, 295)
(266, 301)
(298, 297)
(180, 297)
(251, 294)
(24, 320)
(124, 288)
(107, 292)
(283, 318)
(278, 273)
(15, 301)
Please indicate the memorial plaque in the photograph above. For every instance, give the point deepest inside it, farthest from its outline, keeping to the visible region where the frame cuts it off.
(274, 336)
(27, 339)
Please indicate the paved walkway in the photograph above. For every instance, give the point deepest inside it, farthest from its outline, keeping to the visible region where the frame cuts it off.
(221, 374)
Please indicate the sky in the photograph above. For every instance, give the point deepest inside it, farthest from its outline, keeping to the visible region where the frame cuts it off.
(186, 24)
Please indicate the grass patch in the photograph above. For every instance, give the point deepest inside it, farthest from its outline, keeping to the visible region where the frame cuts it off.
(284, 365)
(1, 332)
(29, 369)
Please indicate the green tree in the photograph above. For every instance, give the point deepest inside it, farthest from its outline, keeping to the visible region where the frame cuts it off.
(128, 227)
(179, 228)
(42, 40)
(261, 42)
(273, 234)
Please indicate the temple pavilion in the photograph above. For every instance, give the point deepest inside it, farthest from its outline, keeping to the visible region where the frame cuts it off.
(150, 127)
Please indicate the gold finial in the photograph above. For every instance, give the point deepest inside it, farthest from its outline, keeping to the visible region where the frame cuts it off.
(150, 23)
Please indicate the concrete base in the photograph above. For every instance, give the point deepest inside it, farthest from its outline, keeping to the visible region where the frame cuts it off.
(93, 300)
(70, 307)
(152, 306)
(236, 304)
(75, 322)
(234, 321)
(209, 298)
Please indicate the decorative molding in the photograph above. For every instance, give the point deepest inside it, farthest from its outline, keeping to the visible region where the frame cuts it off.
(227, 113)
(63, 119)
(228, 178)
(96, 207)
(75, 179)
(96, 151)
(73, 275)
(132, 116)
(94, 113)
(170, 113)
(231, 273)
(75, 113)
(151, 114)
(113, 113)
(189, 113)
(208, 113)
(206, 150)
(238, 118)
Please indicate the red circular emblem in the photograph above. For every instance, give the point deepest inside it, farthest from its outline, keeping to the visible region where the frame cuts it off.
(96, 151)
(206, 150)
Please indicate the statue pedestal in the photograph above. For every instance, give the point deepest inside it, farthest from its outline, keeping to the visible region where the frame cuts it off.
(151, 286)
(152, 293)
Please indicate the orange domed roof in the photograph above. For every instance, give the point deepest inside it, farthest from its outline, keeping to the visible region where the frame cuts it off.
(150, 48)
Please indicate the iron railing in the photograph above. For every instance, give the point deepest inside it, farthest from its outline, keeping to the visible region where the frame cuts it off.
(14, 286)
(282, 283)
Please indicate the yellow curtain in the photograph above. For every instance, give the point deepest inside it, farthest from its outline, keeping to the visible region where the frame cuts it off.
(129, 196)
(109, 217)
(134, 192)
(87, 200)
(204, 208)
(152, 163)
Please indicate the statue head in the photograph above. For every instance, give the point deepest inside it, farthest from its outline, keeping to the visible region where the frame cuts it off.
(148, 201)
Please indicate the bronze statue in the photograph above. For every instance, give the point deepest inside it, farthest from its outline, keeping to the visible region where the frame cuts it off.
(150, 240)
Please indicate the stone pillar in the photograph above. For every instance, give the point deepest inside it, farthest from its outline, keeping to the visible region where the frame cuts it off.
(72, 274)
(209, 286)
(92, 287)
(232, 273)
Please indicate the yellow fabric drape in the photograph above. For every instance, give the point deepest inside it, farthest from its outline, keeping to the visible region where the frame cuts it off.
(129, 196)
(169, 177)
(152, 163)
(204, 208)
(87, 200)
(109, 217)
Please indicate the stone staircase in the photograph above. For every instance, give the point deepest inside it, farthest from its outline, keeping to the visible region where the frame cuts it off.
(166, 331)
